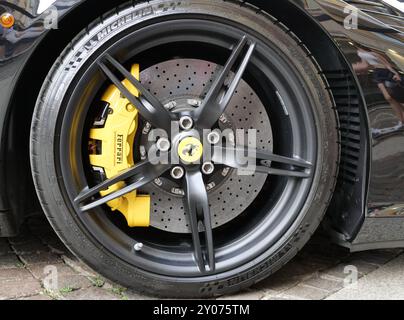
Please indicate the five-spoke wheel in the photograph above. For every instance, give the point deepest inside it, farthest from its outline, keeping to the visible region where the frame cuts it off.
(206, 126)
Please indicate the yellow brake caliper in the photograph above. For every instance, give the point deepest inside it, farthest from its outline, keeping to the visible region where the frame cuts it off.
(116, 139)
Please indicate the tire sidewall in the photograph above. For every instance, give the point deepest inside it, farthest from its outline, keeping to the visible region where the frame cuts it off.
(79, 240)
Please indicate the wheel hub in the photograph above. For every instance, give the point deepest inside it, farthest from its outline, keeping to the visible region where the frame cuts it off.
(190, 150)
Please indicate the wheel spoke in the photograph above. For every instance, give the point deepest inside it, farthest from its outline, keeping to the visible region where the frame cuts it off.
(219, 95)
(240, 158)
(138, 176)
(197, 205)
(151, 109)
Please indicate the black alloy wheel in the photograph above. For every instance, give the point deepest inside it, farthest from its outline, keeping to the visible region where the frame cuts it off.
(209, 66)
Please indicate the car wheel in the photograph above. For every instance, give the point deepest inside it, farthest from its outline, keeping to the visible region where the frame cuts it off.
(191, 228)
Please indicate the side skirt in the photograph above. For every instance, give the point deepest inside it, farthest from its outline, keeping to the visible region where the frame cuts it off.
(376, 233)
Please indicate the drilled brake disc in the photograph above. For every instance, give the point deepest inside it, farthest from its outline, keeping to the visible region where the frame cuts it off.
(229, 193)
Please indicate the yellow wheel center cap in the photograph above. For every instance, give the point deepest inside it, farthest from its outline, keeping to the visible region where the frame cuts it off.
(190, 150)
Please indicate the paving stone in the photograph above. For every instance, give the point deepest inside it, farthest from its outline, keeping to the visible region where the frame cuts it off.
(40, 258)
(246, 295)
(57, 247)
(14, 275)
(324, 284)
(19, 288)
(278, 283)
(66, 276)
(289, 276)
(69, 255)
(386, 283)
(337, 272)
(37, 297)
(73, 282)
(131, 295)
(362, 266)
(317, 260)
(4, 247)
(38, 270)
(343, 270)
(377, 257)
(91, 294)
(122, 293)
(305, 292)
(316, 273)
(10, 261)
(281, 298)
(79, 266)
(29, 247)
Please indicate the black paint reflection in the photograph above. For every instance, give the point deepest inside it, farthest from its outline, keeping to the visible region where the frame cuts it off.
(385, 96)
(390, 83)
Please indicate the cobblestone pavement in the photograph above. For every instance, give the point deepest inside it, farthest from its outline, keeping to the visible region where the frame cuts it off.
(321, 271)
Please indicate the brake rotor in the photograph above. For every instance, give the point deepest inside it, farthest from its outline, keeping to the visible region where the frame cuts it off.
(179, 84)
(187, 80)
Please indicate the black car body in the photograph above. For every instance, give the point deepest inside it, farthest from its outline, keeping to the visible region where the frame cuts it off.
(367, 209)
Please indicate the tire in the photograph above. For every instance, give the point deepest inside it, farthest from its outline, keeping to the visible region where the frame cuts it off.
(54, 111)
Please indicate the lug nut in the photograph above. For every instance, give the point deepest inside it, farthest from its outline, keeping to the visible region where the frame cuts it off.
(214, 137)
(170, 105)
(177, 172)
(163, 144)
(138, 246)
(194, 102)
(186, 123)
(208, 168)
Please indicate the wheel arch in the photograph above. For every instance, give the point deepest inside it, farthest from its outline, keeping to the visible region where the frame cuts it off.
(347, 209)
(351, 189)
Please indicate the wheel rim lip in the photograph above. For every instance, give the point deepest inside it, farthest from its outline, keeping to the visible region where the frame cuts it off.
(220, 252)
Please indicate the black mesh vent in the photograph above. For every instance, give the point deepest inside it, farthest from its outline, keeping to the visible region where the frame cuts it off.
(346, 99)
